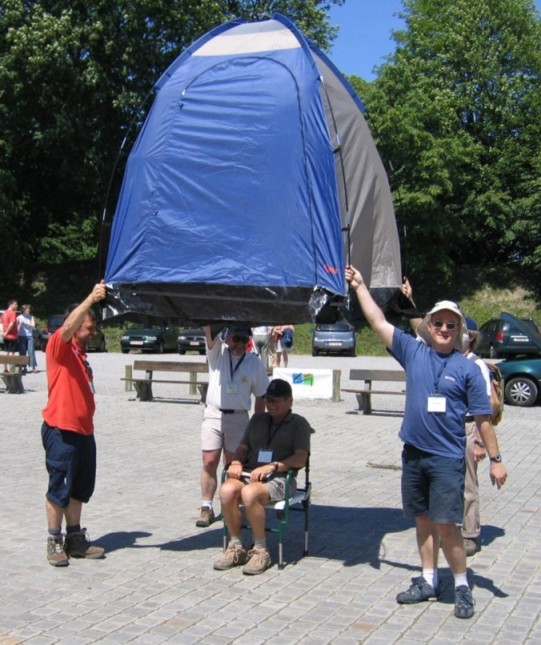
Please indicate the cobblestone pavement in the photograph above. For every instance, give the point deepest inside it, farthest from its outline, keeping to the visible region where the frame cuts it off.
(157, 583)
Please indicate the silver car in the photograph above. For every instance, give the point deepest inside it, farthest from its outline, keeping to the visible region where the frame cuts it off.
(335, 338)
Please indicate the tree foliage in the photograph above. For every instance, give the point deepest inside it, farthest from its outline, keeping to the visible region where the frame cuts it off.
(457, 114)
(74, 75)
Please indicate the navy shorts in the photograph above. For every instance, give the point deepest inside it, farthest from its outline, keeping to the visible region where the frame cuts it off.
(70, 458)
(433, 486)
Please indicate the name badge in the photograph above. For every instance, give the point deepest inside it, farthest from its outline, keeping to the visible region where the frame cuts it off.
(264, 456)
(232, 388)
(437, 404)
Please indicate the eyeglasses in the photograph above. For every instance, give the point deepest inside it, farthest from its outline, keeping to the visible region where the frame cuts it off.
(240, 339)
(438, 324)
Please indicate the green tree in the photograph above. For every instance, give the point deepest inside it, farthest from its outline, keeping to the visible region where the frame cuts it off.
(73, 75)
(456, 111)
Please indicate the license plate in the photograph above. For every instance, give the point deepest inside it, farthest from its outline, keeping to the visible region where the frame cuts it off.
(194, 342)
(137, 342)
(334, 344)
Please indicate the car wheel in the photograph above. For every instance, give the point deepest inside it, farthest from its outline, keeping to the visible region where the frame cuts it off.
(102, 347)
(124, 351)
(492, 352)
(352, 353)
(315, 352)
(161, 348)
(521, 391)
(202, 352)
(182, 351)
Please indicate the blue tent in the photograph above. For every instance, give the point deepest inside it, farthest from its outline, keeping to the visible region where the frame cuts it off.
(252, 180)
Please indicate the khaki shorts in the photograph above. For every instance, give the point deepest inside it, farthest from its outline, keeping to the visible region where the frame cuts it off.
(222, 431)
(276, 487)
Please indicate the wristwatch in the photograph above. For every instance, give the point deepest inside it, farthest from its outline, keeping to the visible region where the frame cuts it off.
(497, 459)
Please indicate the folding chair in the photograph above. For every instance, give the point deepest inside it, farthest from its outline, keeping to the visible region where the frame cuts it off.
(299, 502)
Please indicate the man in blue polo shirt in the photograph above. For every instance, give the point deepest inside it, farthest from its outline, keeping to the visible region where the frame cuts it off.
(442, 386)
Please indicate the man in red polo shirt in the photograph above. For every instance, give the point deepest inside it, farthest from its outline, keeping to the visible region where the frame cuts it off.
(68, 433)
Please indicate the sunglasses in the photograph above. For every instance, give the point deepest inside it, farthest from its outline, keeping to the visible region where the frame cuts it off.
(240, 339)
(438, 324)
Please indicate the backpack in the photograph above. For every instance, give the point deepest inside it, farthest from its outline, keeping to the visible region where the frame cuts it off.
(287, 337)
(496, 390)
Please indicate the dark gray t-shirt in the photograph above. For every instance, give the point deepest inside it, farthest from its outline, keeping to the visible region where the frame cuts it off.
(282, 439)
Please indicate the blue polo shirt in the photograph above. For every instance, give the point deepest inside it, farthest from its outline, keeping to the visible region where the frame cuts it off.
(429, 373)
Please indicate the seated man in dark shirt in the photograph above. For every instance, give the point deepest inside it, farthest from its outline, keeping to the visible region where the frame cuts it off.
(274, 442)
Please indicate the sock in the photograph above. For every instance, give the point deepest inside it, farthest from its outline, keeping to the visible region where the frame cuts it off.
(235, 541)
(260, 544)
(55, 532)
(431, 576)
(206, 503)
(461, 579)
(73, 529)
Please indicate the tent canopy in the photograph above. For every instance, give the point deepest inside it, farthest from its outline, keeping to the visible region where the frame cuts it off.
(252, 180)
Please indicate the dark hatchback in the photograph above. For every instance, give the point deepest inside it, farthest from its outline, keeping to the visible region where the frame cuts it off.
(96, 343)
(334, 338)
(191, 340)
(522, 380)
(508, 336)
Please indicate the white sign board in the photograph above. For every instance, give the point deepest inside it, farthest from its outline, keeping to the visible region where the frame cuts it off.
(307, 383)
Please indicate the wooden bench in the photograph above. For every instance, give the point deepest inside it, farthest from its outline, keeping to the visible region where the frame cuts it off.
(143, 385)
(364, 394)
(13, 378)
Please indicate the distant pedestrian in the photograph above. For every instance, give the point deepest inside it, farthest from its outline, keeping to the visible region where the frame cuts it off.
(26, 326)
(261, 338)
(10, 332)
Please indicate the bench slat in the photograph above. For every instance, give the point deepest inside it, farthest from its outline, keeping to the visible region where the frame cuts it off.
(169, 366)
(364, 394)
(377, 375)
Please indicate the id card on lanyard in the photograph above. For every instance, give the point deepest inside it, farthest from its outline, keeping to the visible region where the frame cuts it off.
(232, 387)
(437, 403)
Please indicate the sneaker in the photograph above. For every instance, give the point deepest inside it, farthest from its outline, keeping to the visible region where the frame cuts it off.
(77, 545)
(206, 517)
(419, 591)
(463, 602)
(259, 560)
(55, 551)
(233, 556)
(471, 546)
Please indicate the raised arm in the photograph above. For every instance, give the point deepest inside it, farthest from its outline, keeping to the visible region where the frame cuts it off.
(373, 314)
(208, 335)
(76, 317)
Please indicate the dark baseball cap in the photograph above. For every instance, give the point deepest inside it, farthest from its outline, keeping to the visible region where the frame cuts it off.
(279, 388)
(244, 331)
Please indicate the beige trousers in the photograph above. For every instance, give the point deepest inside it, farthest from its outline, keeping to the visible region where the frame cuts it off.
(471, 526)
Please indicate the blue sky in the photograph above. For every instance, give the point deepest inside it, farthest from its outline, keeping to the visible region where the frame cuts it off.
(364, 38)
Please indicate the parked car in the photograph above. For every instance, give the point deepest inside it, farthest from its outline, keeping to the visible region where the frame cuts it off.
(335, 338)
(508, 336)
(522, 379)
(191, 339)
(154, 339)
(96, 343)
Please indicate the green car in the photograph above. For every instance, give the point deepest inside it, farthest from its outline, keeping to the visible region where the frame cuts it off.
(522, 378)
(155, 339)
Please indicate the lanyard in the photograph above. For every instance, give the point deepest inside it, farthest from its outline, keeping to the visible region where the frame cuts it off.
(270, 436)
(231, 369)
(440, 372)
(82, 357)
